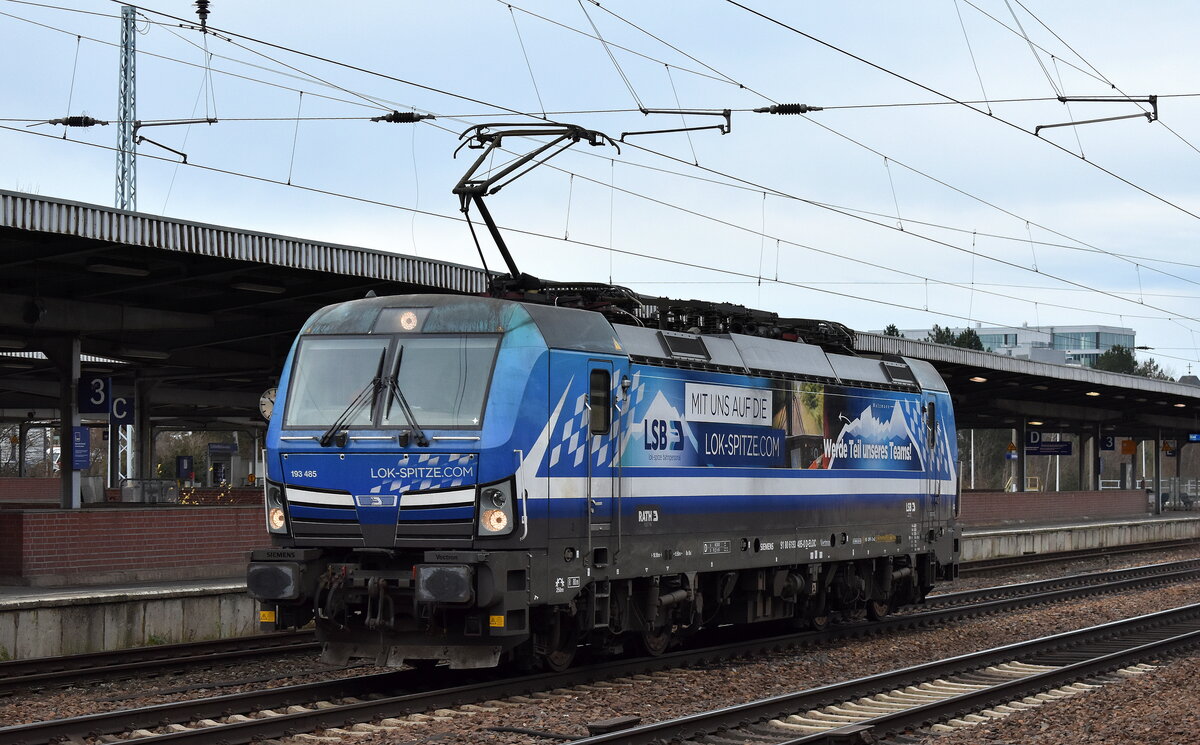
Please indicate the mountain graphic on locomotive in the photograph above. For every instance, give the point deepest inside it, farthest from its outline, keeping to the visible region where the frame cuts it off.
(475, 479)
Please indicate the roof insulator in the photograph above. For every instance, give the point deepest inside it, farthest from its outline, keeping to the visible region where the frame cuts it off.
(402, 117)
(78, 121)
(788, 108)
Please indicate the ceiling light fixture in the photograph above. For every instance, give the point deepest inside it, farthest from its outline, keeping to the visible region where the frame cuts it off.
(978, 379)
(1092, 393)
(1036, 424)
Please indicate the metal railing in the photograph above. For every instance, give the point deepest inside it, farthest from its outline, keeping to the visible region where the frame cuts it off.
(151, 491)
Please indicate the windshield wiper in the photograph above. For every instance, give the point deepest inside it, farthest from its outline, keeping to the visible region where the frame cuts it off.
(394, 386)
(334, 434)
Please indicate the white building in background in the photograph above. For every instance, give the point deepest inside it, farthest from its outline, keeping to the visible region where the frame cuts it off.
(1063, 345)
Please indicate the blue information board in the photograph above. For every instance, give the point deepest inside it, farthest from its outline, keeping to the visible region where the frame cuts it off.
(81, 448)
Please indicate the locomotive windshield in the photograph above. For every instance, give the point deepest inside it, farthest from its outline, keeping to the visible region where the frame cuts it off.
(329, 373)
(444, 379)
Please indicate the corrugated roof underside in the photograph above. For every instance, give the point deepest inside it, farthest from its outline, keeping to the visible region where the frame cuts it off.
(42, 215)
(881, 344)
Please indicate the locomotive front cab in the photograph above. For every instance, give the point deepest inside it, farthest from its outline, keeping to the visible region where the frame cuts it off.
(395, 497)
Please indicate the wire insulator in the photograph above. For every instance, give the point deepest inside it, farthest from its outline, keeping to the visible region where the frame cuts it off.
(78, 121)
(402, 117)
(788, 108)
(202, 11)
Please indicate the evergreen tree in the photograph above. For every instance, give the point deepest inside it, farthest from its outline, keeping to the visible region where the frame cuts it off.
(968, 339)
(1151, 369)
(940, 335)
(1117, 359)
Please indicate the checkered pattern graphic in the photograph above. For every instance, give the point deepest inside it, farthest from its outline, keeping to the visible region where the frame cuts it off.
(938, 464)
(914, 418)
(400, 486)
(572, 436)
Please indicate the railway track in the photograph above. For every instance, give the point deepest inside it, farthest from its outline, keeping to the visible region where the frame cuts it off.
(994, 682)
(43, 672)
(376, 701)
(987, 566)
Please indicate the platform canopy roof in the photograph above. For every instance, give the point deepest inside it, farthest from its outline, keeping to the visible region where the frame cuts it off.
(210, 313)
(998, 391)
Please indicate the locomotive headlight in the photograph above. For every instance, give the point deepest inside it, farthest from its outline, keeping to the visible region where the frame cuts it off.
(494, 521)
(276, 508)
(495, 510)
(495, 496)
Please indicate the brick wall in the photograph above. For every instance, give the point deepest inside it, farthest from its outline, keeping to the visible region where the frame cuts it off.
(110, 545)
(995, 508)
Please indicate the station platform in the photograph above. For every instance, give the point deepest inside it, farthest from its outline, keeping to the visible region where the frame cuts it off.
(53, 621)
(985, 542)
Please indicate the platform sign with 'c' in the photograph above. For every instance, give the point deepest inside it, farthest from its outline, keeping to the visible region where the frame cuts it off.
(121, 411)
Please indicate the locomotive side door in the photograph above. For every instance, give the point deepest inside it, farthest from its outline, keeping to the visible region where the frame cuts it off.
(601, 447)
(933, 484)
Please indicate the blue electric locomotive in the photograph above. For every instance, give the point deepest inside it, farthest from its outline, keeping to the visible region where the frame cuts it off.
(473, 479)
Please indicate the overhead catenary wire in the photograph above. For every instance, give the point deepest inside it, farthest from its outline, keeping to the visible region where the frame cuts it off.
(929, 239)
(531, 233)
(1095, 73)
(1032, 50)
(971, 52)
(346, 65)
(528, 64)
(975, 198)
(473, 115)
(718, 77)
(947, 96)
(612, 57)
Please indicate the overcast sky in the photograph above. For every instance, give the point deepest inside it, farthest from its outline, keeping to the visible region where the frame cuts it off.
(867, 212)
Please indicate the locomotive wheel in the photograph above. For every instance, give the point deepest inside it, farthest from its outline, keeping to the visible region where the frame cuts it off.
(562, 646)
(819, 623)
(877, 609)
(655, 641)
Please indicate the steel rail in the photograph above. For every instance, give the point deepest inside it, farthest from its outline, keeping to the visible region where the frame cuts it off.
(1071, 580)
(41, 672)
(983, 566)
